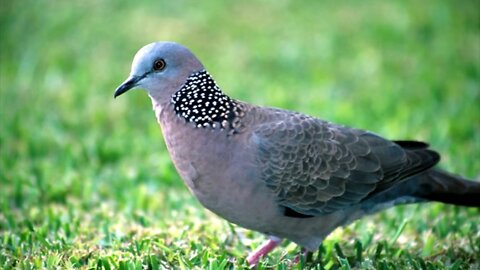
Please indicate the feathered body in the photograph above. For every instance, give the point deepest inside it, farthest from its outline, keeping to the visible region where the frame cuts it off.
(289, 175)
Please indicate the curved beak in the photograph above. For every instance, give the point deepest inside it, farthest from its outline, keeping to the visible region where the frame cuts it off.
(129, 83)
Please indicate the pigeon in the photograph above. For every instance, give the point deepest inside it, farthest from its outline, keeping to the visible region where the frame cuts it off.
(282, 173)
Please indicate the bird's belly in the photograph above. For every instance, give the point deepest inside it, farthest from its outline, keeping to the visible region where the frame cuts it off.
(254, 207)
(240, 201)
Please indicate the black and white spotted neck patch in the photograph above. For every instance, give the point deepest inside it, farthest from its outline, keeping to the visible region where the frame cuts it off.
(201, 102)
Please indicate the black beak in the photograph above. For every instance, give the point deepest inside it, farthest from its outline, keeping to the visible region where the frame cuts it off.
(130, 83)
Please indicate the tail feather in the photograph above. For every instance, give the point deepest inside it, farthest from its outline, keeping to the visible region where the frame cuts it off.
(441, 186)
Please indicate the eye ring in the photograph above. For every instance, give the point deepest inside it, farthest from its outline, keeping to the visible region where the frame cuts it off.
(159, 64)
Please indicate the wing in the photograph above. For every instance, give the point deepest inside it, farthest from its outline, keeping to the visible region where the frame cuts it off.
(315, 167)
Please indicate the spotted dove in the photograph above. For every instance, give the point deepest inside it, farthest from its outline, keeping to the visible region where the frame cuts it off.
(282, 173)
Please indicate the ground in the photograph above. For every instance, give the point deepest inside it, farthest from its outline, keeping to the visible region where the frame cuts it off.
(86, 181)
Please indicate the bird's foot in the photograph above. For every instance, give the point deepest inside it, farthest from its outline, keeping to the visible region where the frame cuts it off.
(263, 250)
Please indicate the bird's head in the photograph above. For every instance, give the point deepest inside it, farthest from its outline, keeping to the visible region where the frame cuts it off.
(160, 68)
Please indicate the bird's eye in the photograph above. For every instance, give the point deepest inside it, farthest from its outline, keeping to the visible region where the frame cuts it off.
(159, 64)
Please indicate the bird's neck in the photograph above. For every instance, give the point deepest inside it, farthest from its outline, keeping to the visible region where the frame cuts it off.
(200, 101)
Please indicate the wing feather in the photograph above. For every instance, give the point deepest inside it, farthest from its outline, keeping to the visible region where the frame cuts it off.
(315, 167)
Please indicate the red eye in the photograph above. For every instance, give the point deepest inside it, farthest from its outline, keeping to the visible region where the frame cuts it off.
(159, 64)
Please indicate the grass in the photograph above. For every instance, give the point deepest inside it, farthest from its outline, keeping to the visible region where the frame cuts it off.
(86, 181)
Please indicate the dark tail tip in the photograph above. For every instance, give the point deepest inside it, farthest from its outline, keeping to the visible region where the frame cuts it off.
(468, 199)
(444, 187)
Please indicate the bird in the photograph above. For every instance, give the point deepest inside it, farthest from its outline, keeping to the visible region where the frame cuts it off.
(285, 174)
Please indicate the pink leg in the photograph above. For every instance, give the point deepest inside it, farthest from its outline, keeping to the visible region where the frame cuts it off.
(304, 253)
(263, 250)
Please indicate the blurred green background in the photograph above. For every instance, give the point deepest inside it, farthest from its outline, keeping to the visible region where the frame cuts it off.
(86, 181)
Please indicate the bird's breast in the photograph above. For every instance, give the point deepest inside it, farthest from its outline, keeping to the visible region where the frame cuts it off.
(220, 171)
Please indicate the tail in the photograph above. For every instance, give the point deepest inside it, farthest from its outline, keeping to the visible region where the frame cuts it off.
(441, 186)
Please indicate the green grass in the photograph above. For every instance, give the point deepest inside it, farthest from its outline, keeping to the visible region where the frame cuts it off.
(86, 181)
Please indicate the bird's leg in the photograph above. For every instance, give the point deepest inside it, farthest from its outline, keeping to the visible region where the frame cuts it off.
(263, 250)
(304, 252)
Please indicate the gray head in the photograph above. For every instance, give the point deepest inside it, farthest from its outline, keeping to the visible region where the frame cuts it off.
(160, 68)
